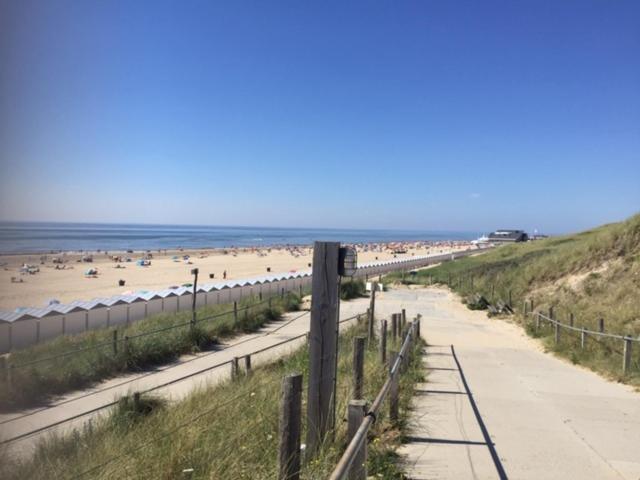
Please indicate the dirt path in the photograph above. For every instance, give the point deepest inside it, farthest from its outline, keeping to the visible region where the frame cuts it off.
(545, 417)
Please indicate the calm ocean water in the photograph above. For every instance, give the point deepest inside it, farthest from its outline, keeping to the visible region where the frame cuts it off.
(45, 237)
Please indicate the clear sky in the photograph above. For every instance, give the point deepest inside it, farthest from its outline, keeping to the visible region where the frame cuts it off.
(424, 115)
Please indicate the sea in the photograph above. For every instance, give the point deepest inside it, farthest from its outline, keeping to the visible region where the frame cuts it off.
(45, 237)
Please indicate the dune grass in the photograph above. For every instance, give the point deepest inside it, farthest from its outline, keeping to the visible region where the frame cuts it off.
(95, 359)
(226, 431)
(594, 274)
(351, 289)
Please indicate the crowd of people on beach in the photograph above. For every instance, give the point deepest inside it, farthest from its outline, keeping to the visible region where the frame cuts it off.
(63, 260)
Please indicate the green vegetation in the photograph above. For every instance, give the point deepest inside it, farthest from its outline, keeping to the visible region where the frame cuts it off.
(352, 289)
(592, 275)
(94, 358)
(226, 431)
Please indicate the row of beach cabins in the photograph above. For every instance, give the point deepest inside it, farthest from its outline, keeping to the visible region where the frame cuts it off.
(28, 326)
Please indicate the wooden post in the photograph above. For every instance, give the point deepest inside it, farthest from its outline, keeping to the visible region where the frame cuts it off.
(571, 319)
(235, 368)
(394, 327)
(193, 303)
(551, 312)
(6, 370)
(383, 342)
(126, 349)
(290, 428)
(323, 343)
(372, 310)
(404, 320)
(136, 401)
(247, 364)
(357, 411)
(583, 338)
(115, 342)
(531, 309)
(235, 312)
(524, 308)
(394, 390)
(417, 320)
(626, 355)
(601, 325)
(358, 366)
(557, 332)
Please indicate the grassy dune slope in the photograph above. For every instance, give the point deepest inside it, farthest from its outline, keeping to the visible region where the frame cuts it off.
(96, 360)
(226, 431)
(594, 274)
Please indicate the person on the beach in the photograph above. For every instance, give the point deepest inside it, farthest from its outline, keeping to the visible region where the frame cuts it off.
(224, 275)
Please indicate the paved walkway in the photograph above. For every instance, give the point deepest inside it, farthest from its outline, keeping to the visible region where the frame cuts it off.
(545, 417)
(186, 374)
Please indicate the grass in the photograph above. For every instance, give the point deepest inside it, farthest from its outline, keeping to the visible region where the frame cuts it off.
(594, 274)
(226, 431)
(352, 289)
(35, 384)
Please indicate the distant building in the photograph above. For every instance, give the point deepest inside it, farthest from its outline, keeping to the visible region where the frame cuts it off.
(507, 236)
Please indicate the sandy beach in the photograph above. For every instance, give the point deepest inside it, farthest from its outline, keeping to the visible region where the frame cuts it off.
(62, 276)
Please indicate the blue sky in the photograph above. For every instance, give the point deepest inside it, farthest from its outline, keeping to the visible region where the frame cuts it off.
(425, 115)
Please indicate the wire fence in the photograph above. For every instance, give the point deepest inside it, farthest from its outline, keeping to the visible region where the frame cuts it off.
(232, 363)
(123, 340)
(627, 341)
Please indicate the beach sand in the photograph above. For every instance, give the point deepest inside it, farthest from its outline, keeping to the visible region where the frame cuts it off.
(70, 283)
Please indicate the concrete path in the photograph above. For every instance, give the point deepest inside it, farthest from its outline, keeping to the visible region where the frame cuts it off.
(183, 376)
(546, 418)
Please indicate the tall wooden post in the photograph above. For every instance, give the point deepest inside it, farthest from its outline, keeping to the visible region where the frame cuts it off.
(626, 355)
(358, 366)
(383, 342)
(6, 370)
(290, 428)
(193, 295)
(247, 364)
(235, 368)
(394, 327)
(583, 338)
(372, 310)
(404, 320)
(394, 391)
(357, 411)
(601, 325)
(571, 319)
(115, 342)
(323, 343)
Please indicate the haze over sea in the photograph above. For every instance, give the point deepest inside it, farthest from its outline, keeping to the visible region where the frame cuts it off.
(35, 237)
